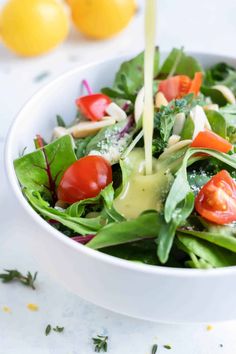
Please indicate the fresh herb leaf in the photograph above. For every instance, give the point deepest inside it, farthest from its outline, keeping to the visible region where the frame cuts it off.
(100, 343)
(48, 330)
(154, 349)
(14, 275)
(167, 346)
(60, 121)
(58, 329)
(41, 170)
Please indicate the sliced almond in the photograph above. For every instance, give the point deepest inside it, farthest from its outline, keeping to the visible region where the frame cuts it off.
(173, 139)
(160, 100)
(58, 132)
(83, 129)
(211, 107)
(116, 112)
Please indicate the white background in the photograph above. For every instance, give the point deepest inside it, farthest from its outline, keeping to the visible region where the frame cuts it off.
(206, 25)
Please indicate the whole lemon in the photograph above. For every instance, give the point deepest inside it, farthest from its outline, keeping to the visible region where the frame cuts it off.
(33, 27)
(102, 18)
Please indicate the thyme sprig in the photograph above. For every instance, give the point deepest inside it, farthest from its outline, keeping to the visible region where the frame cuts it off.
(100, 343)
(14, 275)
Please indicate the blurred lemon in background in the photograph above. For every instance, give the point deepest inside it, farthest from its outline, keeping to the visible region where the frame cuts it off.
(33, 27)
(101, 18)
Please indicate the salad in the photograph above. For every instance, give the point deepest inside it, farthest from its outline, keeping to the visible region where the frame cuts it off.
(89, 181)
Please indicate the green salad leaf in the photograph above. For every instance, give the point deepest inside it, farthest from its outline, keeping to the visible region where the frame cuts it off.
(221, 74)
(213, 255)
(217, 123)
(147, 225)
(42, 169)
(183, 64)
(81, 225)
(215, 95)
(130, 78)
(181, 187)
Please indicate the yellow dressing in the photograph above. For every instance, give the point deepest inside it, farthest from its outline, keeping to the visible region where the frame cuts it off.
(142, 192)
(148, 114)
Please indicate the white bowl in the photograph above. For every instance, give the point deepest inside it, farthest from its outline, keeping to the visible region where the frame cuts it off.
(144, 291)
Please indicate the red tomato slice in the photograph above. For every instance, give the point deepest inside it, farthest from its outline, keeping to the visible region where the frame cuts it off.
(216, 201)
(93, 106)
(196, 83)
(84, 179)
(180, 85)
(209, 140)
(175, 87)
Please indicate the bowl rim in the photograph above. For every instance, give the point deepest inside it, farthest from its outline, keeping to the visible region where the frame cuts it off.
(60, 237)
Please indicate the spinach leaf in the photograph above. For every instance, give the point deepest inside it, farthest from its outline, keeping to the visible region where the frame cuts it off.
(112, 141)
(180, 188)
(81, 146)
(130, 78)
(223, 240)
(142, 252)
(215, 95)
(188, 129)
(186, 65)
(217, 123)
(212, 254)
(104, 199)
(147, 225)
(168, 230)
(222, 74)
(82, 226)
(42, 170)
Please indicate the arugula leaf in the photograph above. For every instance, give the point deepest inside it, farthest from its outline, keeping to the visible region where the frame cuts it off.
(168, 230)
(217, 123)
(130, 78)
(82, 226)
(112, 141)
(212, 254)
(42, 169)
(180, 188)
(147, 225)
(187, 65)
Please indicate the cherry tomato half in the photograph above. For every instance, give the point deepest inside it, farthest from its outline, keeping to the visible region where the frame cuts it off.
(209, 140)
(216, 201)
(84, 179)
(180, 85)
(93, 106)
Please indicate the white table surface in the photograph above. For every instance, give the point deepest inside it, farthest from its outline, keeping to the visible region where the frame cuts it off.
(203, 25)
